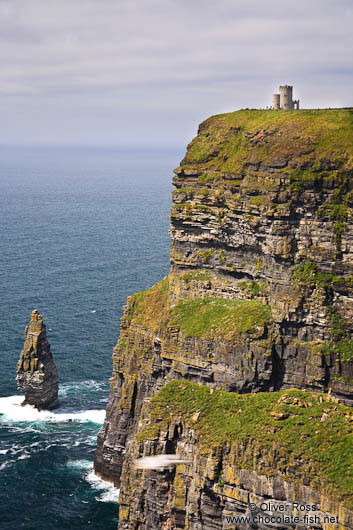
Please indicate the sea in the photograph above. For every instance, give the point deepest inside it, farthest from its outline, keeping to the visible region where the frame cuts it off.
(80, 230)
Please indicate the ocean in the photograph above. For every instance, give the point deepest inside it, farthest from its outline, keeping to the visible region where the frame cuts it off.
(81, 229)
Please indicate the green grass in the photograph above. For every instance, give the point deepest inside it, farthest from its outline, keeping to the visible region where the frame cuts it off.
(341, 342)
(201, 317)
(308, 274)
(335, 211)
(150, 308)
(299, 446)
(196, 275)
(259, 200)
(209, 177)
(254, 288)
(205, 255)
(229, 142)
(344, 348)
(211, 317)
(184, 190)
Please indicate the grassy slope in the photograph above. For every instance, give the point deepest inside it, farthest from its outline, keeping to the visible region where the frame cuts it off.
(201, 317)
(228, 142)
(322, 448)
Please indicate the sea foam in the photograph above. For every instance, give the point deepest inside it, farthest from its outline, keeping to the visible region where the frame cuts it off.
(110, 492)
(12, 411)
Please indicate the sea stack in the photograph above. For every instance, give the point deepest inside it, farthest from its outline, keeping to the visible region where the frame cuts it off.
(37, 375)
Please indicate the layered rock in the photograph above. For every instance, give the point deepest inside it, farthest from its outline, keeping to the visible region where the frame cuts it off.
(247, 455)
(260, 292)
(37, 375)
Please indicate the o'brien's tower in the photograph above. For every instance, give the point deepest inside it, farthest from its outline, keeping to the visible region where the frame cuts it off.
(284, 100)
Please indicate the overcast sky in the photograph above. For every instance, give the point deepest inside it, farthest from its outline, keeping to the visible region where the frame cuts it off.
(146, 72)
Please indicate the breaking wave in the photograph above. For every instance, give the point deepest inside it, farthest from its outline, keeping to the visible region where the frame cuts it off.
(12, 411)
(109, 494)
(88, 384)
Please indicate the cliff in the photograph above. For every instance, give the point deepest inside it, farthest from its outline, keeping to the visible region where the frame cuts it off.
(259, 297)
(37, 375)
(269, 449)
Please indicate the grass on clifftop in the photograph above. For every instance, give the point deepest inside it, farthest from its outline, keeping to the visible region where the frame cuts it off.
(302, 445)
(201, 317)
(150, 308)
(229, 142)
(210, 317)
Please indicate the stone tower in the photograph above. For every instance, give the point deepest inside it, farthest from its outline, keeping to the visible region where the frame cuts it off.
(276, 102)
(284, 100)
(37, 375)
(286, 97)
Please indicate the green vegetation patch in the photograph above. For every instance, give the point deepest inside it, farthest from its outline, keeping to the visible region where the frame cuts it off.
(259, 200)
(344, 348)
(150, 308)
(209, 177)
(304, 435)
(335, 211)
(201, 317)
(197, 275)
(308, 274)
(254, 288)
(341, 342)
(321, 140)
(211, 317)
(205, 255)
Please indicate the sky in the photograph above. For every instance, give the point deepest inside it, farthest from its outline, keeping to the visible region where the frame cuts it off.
(145, 73)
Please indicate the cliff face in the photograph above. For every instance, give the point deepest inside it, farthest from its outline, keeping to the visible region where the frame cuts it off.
(240, 451)
(260, 292)
(37, 375)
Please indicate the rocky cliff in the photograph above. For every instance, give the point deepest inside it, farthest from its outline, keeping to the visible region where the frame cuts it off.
(259, 298)
(37, 375)
(277, 455)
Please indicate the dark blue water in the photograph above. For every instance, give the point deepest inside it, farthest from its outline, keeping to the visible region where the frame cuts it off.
(80, 231)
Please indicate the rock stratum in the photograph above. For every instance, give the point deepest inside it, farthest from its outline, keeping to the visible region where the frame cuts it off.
(258, 302)
(37, 375)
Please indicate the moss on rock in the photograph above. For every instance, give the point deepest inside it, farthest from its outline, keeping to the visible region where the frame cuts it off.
(310, 433)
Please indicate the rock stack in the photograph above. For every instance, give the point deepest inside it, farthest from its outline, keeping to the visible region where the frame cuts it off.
(37, 375)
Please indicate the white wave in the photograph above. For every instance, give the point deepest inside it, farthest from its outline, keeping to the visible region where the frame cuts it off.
(24, 456)
(111, 495)
(88, 384)
(110, 492)
(90, 440)
(3, 451)
(80, 464)
(94, 311)
(5, 464)
(11, 409)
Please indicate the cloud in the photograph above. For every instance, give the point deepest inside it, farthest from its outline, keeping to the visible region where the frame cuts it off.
(113, 62)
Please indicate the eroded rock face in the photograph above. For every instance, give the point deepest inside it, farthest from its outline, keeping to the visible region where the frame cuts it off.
(262, 213)
(37, 375)
(206, 492)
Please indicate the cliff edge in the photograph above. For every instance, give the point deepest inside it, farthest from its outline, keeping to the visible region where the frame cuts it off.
(259, 299)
